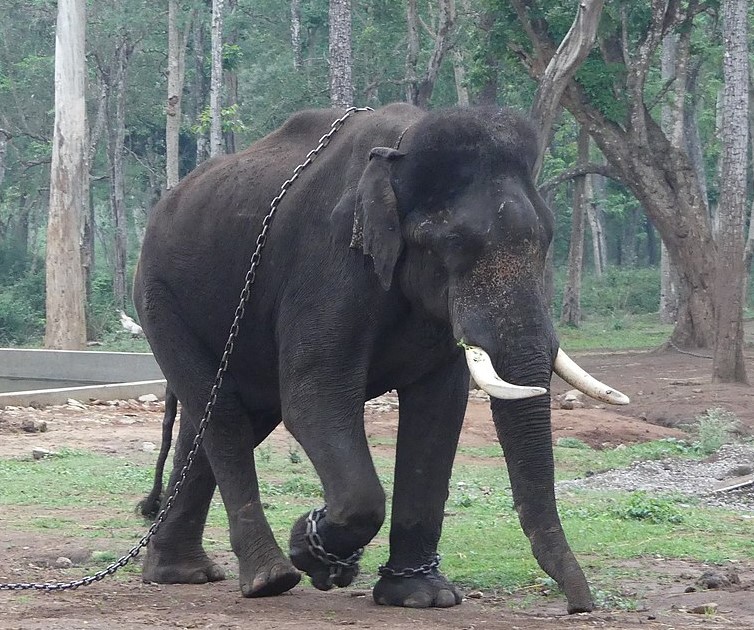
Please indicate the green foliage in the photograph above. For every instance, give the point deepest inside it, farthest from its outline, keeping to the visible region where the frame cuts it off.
(22, 308)
(714, 428)
(642, 507)
(616, 292)
(601, 82)
(572, 442)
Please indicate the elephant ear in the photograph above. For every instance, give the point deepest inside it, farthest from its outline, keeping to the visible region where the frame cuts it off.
(376, 224)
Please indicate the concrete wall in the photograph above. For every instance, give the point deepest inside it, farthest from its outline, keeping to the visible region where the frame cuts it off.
(79, 365)
(122, 375)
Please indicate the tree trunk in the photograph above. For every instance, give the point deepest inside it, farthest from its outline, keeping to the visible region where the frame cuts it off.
(4, 137)
(116, 146)
(177, 41)
(749, 250)
(594, 215)
(668, 289)
(490, 65)
(230, 79)
(412, 52)
(571, 53)
(69, 180)
(340, 58)
(672, 123)
(216, 81)
(571, 315)
(296, 33)
(419, 89)
(199, 90)
(728, 364)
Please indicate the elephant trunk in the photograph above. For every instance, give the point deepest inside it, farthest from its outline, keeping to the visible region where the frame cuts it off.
(524, 430)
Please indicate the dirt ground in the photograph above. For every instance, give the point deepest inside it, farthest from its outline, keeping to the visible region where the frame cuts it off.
(667, 390)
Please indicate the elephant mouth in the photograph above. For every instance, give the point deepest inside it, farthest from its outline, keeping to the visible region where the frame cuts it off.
(483, 372)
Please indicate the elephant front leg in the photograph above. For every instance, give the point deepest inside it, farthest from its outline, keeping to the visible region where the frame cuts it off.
(325, 542)
(524, 431)
(431, 415)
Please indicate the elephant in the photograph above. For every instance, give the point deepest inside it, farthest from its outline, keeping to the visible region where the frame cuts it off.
(408, 255)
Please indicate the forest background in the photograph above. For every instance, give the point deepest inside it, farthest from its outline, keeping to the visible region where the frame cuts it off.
(635, 168)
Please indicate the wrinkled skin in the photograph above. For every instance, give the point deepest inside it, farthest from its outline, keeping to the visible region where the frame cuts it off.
(378, 263)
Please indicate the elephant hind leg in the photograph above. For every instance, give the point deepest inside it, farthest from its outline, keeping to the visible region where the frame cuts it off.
(175, 554)
(225, 460)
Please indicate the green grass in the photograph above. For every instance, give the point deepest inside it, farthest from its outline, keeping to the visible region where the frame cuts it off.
(92, 497)
(615, 332)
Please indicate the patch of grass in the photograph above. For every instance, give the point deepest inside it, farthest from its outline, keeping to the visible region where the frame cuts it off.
(714, 428)
(576, 462)
(615, 332)
(482, 545)
(641, 507)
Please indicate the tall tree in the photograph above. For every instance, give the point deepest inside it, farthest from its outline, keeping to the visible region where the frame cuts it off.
(639, 154)
(561, 67)
(419, 87)
(216, 81)
(729, 277)
(177, 41)
(116, 139)
(69, 183)
(571, 314)
(340, 57)
(296, 33)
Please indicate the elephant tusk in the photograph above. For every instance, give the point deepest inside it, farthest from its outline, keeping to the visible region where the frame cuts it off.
(567, 369)
(485, 376)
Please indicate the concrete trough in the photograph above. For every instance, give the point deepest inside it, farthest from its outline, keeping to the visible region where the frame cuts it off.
(91, 375)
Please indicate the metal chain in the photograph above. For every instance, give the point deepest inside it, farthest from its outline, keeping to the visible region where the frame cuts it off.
(317, 549)
(425, 569)
(233, 334)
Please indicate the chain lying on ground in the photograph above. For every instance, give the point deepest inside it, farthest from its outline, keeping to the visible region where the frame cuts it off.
(223, 368)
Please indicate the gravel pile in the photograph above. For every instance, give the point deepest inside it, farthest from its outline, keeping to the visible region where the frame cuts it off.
(684, 476)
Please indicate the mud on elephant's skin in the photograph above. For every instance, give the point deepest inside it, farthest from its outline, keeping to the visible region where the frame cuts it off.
(413, 245)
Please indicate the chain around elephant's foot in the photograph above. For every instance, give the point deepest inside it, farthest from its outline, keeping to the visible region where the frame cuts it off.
(308, 554)
(192, 568)
(423, 587)
(272, 579)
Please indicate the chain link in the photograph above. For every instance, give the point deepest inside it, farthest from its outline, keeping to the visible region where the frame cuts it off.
(425, 569)
(317, 549)
(222, 369)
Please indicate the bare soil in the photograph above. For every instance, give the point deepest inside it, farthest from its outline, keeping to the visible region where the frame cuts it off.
(668, 391)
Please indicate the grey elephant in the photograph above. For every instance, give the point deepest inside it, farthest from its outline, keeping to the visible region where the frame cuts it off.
(409, 252)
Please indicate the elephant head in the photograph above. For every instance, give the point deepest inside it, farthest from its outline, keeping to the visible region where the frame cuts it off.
(452, 217)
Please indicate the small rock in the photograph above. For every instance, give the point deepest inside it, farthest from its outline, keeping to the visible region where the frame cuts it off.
(713, 580)
(148, 447)
(704, 609)
(742, 470)
(63, 563)
(148, 398)
(75, 403)
(31, 426)
(690, 589)
(41, 453)
(475, 595)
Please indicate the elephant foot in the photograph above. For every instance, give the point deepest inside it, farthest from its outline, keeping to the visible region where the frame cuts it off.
(194, 569)
(580, 608)
(431, 590)
(270, 580)
(309, 555)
